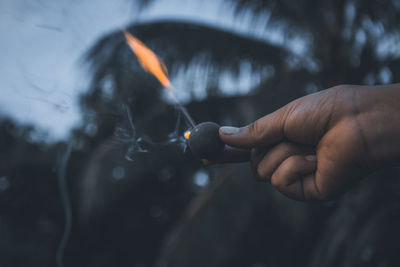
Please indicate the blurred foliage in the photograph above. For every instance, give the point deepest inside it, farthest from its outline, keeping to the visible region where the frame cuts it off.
(148, 211)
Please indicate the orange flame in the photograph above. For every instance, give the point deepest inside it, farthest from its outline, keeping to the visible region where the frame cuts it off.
(187, 135)
(148, 59)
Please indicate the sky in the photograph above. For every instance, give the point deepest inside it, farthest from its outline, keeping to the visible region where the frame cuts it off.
(41, 68)
(41, 73)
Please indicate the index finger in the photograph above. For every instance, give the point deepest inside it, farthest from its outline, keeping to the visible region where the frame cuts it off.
(261, 133)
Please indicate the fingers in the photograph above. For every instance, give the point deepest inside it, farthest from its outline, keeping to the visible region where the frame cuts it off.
(264, 168)
(295, 177)
(263, 132)
(257, 154)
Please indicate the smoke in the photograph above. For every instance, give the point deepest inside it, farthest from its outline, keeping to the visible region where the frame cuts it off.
(65, 199)
(126, 133)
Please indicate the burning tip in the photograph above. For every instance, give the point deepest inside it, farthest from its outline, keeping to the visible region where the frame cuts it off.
(187, 135)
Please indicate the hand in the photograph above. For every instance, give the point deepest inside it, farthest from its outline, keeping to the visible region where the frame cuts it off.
(317, 146)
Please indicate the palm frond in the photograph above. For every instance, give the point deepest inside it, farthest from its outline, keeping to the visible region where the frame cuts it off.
(179, 43)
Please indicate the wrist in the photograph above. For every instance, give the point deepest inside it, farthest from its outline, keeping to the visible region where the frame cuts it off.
(378, 115)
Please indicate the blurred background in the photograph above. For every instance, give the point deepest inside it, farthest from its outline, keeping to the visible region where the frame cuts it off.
(93, 167)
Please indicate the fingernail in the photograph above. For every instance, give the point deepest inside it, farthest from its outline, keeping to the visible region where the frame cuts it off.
(311, 157)
(229, 130)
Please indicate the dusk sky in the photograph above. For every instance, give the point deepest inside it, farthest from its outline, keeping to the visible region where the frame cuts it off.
(42, 73)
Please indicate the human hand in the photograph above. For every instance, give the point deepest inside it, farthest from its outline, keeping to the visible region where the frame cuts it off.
(317, 146)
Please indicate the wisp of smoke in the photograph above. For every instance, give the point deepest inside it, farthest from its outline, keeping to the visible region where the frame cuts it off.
(144, 144)
(63, 187)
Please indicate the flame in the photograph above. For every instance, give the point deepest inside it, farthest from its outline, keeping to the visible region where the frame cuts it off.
(150, 63)
(187, 135)
(148, 59)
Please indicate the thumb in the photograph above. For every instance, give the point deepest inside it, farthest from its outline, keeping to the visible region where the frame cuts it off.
(261, 133)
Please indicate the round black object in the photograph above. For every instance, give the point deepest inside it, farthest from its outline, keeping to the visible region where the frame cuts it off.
(204, 141)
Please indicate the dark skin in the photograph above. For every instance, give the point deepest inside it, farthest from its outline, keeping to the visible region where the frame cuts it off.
(318, 146)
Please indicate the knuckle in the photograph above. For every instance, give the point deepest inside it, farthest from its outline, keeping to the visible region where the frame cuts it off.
(255, 132)
(287, 115)
(259, 174)
(290, 163)
(285, 170)
(275, 180)
(287, 148)
(340, 88)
